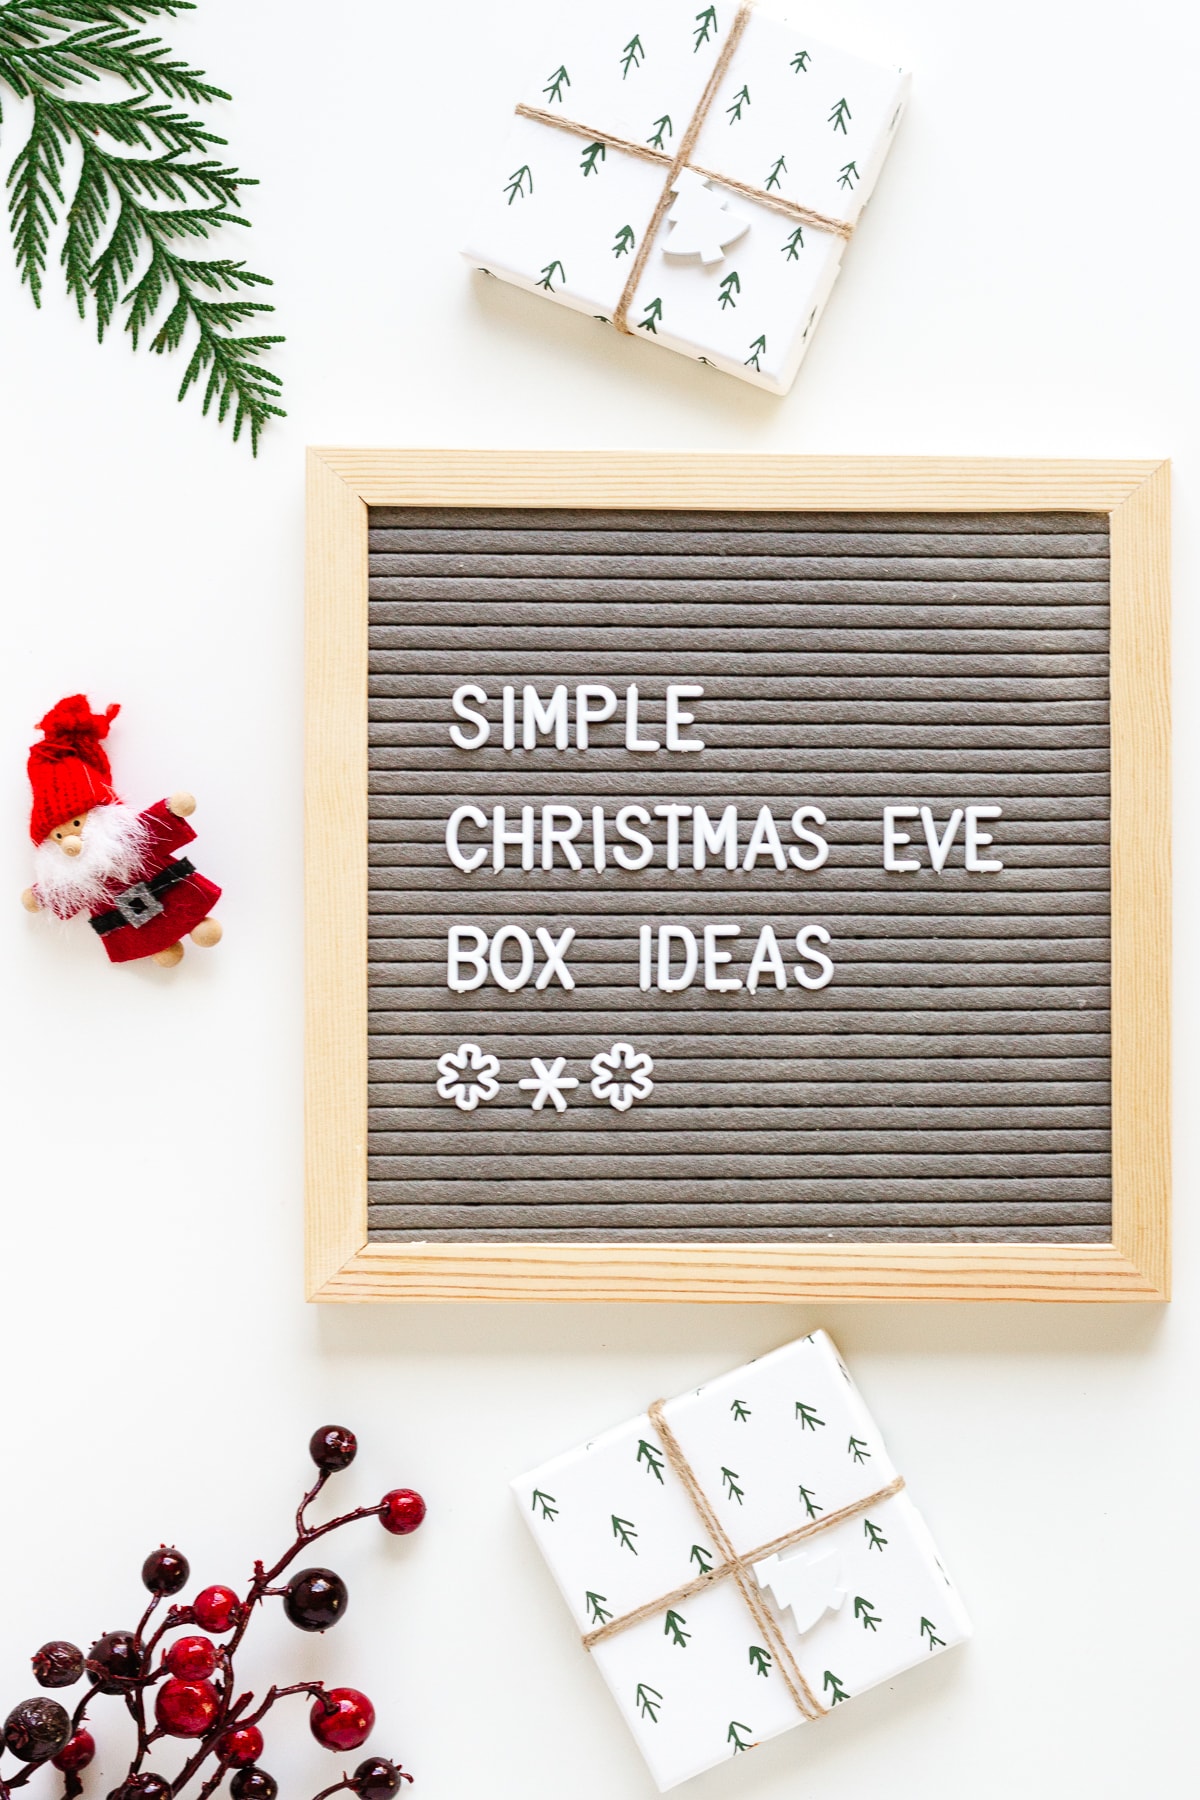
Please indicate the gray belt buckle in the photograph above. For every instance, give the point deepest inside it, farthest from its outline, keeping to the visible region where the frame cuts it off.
(137, 905)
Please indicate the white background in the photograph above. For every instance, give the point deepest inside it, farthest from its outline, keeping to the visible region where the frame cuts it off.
(1024, 284)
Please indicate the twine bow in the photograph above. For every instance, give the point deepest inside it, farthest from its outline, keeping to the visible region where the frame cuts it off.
(738, 1568)
(682, 159)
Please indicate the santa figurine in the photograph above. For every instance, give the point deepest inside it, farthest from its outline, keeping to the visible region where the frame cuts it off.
(94, 854)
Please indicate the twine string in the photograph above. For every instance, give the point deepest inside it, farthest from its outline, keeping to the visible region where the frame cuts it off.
(804, 215)
(738, 1567)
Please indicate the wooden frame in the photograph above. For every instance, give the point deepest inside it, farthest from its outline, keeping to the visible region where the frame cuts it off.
(341, 1263)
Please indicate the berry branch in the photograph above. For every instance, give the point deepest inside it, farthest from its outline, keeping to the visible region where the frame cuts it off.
(193, 1683)
(148, 188)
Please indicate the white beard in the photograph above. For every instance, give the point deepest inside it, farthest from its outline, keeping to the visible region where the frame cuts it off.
(114, 847)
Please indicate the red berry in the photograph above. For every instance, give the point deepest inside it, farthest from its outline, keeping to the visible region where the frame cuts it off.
(377, 1779)
(242, 1744)
(217, 1609)
(333, 1447)
(165, 1571)
(402, 1511)
(77, 1753)
(186, 1708)
(117, 1661)
(144, 1786)
(58, 1664)
(253, 1784)
(343, 1720)
(38, 1728)
(315, 1599)
(192, 1658)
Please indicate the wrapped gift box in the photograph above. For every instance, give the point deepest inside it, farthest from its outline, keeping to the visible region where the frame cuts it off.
(728, 255)
(742, 1559)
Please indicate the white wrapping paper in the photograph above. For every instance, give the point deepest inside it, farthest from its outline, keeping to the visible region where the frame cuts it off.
(564, 215)
(775, 1445)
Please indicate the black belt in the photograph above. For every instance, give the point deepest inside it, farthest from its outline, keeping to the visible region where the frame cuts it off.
(138, 904)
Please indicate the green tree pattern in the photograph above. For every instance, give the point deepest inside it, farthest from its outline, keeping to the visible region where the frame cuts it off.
(632, 56)
(652, 1457)
(778, 168)
(625, 1531)
(593, 154)
(596, 1608)
(673, 1628)
(741, 1412)
(548, 274)
(833, 1687)
(516, 187)
(556, 83)
(663, 128)
(807, 1415)
(838, 117)
(929, 1630)
(810, 1505)
(653, 315)
(548, 1504)
(760, 1660)
(706, 27)
(733, 1736)
(757, 349)
(849, 175)
(624, 241)
(732, 1490)
(801, 61)
(731, 285)
(702, 1558)
(858, 1450)
(875, 1538)
(741, 101)
(864, 1612)
(649, 1700)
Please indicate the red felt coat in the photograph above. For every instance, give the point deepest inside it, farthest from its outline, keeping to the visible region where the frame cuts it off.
(183, 905)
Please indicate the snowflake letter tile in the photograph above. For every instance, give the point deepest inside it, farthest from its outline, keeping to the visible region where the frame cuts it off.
(690, 174)
(742, 1559)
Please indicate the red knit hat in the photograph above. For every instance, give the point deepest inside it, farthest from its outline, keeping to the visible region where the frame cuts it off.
(69, 771)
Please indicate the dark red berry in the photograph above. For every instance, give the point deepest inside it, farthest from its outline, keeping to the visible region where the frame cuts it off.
(36, 1729)
(315, 1599)
(377, 1779)
(58, 1664)
(217, 1609)
(186, 1708)
(343, 1720)
(165, 1571)
(145, 1785)
(116, 1659)
(192, 1658)
(332, 1447)
(402, 1511)
(253, 1784)
(76, 1753)
(240, 1745)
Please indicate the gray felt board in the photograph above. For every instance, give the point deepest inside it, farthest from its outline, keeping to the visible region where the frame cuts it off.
(952, 1081)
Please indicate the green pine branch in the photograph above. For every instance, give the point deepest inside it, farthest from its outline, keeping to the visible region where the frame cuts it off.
(632, 56)
(705, 27)
(702, 1558)
(673, 1628)
(858, 1450)
(653, 1459)
(732, 1490)
(733, 1736)
(653, 315)
(624, 241)
(849, 175)
(778, 168)
(649, 1700)
(548, 1504)
(593, 154)
(548, 274)
(625, 1531)
(760, 1660)
(807, 1415)
(864, 1612)
(556, 83)
(810, 1505)
(515, 187)
(596, 1608)
(791, 250)
(740, 1411)
(929, 1630)
(875, 1538)
(662, 128)
(731, 285)
(147, 189)
(741, 101)
(839, 116)
(757, 350)
(833, 1686)
(800, 61)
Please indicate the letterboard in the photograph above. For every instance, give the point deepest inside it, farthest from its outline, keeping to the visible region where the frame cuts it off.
(945, 1072)
(736, 877)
